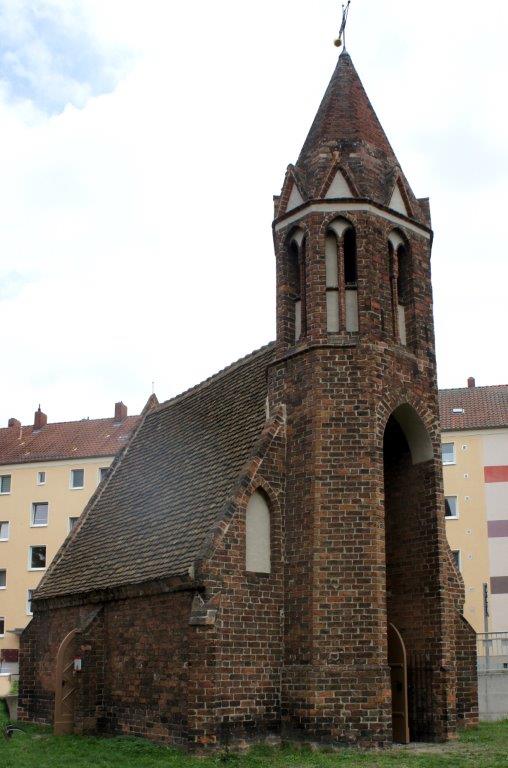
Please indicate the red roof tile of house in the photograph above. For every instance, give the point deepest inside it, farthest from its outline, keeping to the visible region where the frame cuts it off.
(475, 408)
(65, 440)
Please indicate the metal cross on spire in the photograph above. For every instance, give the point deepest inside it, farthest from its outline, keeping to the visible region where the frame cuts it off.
(341, 40)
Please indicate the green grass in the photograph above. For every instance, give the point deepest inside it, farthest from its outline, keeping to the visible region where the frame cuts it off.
(484, 747)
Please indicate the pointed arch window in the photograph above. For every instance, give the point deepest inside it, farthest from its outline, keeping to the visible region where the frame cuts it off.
(332, 283)
(257, 535)
(350, 280)
(297, 248)
(341, 277)
(402, 292)
(401, 289)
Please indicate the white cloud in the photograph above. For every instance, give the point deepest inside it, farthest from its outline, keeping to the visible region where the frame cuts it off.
(50, 57)
(137, 222)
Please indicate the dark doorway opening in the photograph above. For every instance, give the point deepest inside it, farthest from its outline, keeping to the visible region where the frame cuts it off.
(409, 597)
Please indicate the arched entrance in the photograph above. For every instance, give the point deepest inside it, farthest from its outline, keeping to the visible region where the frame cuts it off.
(397, 661)
(65, 686)
(412, 567)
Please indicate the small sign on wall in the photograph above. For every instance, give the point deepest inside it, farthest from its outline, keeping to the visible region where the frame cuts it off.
(77, 664)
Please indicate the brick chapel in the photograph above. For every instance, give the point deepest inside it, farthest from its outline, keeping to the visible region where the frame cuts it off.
(268, 555)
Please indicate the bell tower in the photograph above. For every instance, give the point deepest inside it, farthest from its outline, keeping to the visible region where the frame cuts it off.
(367, 565)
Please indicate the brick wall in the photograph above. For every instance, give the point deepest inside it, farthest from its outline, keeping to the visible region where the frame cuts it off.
(340, 390)
(135, 666)
(467, 675)
(247, 637)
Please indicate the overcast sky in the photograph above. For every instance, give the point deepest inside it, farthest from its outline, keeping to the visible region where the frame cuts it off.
(141, 144)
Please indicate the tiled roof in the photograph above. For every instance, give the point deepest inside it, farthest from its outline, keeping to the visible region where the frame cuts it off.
(484, 407)
(345, 113)
(153, 514)
(65, 440)
(347, 128)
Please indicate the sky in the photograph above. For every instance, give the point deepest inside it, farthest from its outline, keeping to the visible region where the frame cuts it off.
(141, 144)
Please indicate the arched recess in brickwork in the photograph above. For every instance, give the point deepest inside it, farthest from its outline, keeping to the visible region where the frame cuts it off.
(412, 560)
(401, 284)
(258, 533)
(296, 247)
(341, 277)
(415, 432)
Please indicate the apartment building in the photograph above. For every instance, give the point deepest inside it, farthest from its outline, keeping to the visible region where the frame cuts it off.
(48, 472)
(474, 423)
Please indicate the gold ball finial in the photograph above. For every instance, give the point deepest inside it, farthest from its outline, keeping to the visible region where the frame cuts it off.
(341, 40)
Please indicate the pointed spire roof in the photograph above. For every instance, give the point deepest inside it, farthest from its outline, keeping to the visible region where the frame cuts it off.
(345, 113)
(346, 135)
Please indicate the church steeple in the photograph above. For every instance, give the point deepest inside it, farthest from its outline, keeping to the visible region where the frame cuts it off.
(346, 135)
(345, 115)
(355, 375)
(348, 228)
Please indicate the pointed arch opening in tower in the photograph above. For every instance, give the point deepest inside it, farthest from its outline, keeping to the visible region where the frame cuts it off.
(332, 282)
(341, 277)
(412, 565)
(402, 289)
(296, 279)
(351, 280)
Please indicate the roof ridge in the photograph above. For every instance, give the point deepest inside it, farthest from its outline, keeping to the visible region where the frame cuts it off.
(77, 421)
(472, 389)
(214, 377)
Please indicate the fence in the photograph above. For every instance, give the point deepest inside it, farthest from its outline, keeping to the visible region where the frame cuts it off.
(492, 651)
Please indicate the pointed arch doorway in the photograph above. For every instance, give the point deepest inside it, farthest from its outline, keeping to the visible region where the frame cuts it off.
(409, 550)
(397, 661)
(65, 686)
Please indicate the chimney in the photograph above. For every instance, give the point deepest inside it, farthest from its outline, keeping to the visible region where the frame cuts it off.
(14, 423)
(120, 412)
(40, 419)
(471, 383)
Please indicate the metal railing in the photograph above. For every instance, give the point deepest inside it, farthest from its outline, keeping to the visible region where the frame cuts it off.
(492, 650)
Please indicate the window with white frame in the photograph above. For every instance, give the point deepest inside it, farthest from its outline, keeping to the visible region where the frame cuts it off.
(2, 626)
(448, 453)
(37, 558)
(72, 522)
(77, 478)
(456, 558)
(451, 507)
(5, 483)
(3, 578)
(41, 478)
(29, 595)
(39, 514)
(4, 530)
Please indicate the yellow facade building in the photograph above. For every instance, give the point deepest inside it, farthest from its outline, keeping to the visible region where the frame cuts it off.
(48, 472)
(474, 423)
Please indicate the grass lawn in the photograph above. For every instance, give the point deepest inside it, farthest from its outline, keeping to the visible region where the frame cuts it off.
(485, 747)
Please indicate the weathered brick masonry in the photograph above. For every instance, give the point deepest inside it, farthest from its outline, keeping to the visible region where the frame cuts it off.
(336, 425)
